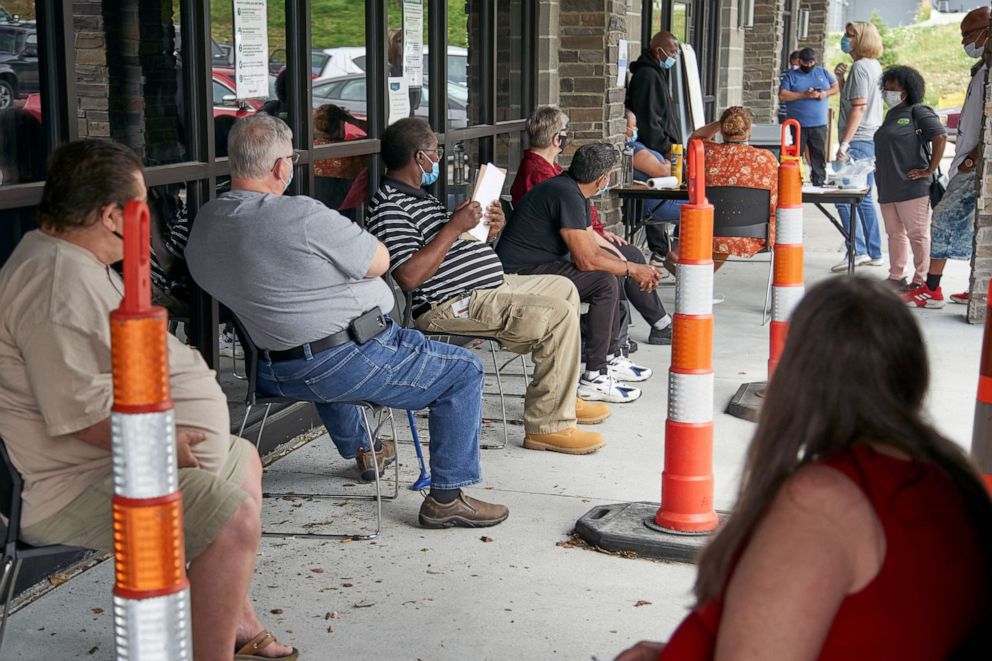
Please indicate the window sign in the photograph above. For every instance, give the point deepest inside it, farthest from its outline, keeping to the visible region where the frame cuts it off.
(622, 50)
(413, 42)
(251, 41)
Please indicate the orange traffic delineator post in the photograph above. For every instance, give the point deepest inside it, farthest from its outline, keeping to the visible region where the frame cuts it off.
(687, 479)
(151, 591)
(981, 437)
(677, 528)
(787, 273)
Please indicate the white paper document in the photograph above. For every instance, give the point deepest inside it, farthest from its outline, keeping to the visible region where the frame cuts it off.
(488, 188)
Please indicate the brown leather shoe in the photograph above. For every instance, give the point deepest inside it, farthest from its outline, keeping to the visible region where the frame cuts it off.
(590, 413)
(384, 456)
(464, 512)
(568, 441)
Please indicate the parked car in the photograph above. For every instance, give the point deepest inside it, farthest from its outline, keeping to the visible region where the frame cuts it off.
(18, 61)
(457, 64)
(5, 16)
(349, 92)
(221, 55)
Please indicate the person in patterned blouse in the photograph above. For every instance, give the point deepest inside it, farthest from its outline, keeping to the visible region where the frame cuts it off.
(736, 163)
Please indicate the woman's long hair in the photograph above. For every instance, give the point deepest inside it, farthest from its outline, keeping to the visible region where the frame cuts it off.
(854, 370)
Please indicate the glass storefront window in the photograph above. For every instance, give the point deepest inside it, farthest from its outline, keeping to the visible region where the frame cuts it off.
(462, 159)
(22, 139)
(509, 152)
(401, 70)
(465, 64)
(510, 63)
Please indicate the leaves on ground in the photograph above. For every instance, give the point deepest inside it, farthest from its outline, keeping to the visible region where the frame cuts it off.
(641, 602)
(485, 539)
(276, 611)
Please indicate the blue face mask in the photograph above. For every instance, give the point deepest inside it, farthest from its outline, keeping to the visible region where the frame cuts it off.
(668, 63)
(845, 44)
(603, 189)
(285, 186)
(428, 178)
(633, 138)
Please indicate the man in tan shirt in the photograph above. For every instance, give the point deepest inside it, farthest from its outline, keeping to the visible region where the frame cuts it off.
(56, 294)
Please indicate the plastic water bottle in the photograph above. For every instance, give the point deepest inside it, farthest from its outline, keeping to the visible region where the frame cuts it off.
(627, 165)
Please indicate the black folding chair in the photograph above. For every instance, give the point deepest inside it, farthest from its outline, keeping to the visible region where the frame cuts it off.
(16, 552)
(381, 414)
(743, 212)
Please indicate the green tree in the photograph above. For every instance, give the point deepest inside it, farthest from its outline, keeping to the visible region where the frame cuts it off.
(889, 56)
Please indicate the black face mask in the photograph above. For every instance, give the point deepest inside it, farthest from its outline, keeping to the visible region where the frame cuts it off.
(806, 68)
(562, 141)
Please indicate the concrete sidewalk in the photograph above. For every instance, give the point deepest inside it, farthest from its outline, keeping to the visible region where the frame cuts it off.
(513, 591)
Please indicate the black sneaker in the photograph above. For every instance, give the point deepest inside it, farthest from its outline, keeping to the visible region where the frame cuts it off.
(663, 336)
(630, 348)
(900, 285)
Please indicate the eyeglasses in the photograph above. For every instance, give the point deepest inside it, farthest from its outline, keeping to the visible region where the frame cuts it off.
(439, 150)
(295, 157)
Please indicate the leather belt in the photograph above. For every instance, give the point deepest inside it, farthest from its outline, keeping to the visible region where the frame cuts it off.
(421, 309)
(329, 342)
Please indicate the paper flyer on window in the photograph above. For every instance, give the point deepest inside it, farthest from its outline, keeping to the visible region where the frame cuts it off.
(622, 56)
(399, 98)
(413, 42)
(251, 44)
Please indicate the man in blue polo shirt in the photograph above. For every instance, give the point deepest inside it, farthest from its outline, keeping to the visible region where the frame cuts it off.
(805, 91)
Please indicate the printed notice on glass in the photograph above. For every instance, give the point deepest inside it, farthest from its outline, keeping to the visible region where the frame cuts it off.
(413, 42)
(251, 49)
(622, 56)
(399, 98)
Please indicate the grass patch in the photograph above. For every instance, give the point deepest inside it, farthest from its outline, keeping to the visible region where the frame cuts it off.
(933, 50)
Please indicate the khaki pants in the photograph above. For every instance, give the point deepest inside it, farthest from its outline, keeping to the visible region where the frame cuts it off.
(536, 314)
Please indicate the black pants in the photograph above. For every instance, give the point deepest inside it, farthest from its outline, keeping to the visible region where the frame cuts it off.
(814, 138)
(646, 303)
(602, 292)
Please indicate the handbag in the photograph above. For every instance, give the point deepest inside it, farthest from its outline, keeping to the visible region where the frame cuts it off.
(936, 188)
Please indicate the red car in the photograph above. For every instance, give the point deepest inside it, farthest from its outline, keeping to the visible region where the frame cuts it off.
(224, 99)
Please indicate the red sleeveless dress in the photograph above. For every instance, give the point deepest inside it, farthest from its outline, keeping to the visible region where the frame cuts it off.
(929, 591)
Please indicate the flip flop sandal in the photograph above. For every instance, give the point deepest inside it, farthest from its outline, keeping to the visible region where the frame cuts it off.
(260, 642)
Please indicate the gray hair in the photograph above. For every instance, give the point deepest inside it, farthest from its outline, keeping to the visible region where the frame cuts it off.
(544, 124)
(592, 161)
(255, 143)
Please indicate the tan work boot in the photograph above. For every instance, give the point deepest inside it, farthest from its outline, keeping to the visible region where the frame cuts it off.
(385, 456)
(590, 413)
(568, 441)
(464, 512)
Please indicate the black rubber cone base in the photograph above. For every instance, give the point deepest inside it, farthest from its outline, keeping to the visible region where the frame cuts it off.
(630, 527)
(746, 404)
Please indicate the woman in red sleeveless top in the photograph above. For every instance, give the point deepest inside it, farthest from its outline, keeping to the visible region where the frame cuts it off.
(859, 532)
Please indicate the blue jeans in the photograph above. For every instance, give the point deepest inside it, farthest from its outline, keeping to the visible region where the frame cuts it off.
(861, 149)
(402, 369)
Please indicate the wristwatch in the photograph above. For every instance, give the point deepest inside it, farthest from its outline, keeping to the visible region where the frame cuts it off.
(969, 162)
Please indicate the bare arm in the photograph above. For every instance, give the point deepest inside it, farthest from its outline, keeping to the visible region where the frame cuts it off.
(707, 132)
(646, 162)
(589, 256)
(98, 435)
(425, 262)
(789, 95)
(380, 261)
(937, 145)
(819, 541)
(834, 89)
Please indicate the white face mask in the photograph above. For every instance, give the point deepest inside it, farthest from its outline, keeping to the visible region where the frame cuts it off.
(891, 98)
(973, 50)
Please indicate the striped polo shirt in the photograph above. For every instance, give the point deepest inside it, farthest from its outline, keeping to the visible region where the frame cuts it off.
(406, 219)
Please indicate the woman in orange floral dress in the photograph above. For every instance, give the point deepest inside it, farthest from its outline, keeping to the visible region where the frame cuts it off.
(334, 176)
(735, 163)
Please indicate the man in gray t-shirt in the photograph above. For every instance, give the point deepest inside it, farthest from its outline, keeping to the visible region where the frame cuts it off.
(305, 284)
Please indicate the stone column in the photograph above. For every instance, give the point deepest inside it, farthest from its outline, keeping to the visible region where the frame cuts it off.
(762, 53)
(589, 35)
(92, 76)
(981, 256)
(730, 68)
(547, 52)
(816, 36)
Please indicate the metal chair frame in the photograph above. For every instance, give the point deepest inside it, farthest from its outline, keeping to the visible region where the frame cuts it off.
(383, 414)
(15, 551)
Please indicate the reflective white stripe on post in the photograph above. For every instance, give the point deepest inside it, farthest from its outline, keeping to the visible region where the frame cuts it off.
(144, 454)
(155, 629)
(785, 300)
(694, 290)
(789, 225)
(690, 397)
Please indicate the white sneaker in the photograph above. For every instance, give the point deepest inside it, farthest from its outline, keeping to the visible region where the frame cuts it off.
(230, 347)
(876, 262)
(859, 260)
(623, 369)
(605, 388)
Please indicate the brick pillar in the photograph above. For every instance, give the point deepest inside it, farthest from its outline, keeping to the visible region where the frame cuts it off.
(92, 76)
(981, 256)
(730, 69)
(816, 37)
(161, 74)
(589, 33)
(547, 52)
(762, 53)
(127, 101)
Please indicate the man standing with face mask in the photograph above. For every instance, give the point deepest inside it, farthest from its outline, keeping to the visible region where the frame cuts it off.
(953, 221)
(649, 96)
(804, 92)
